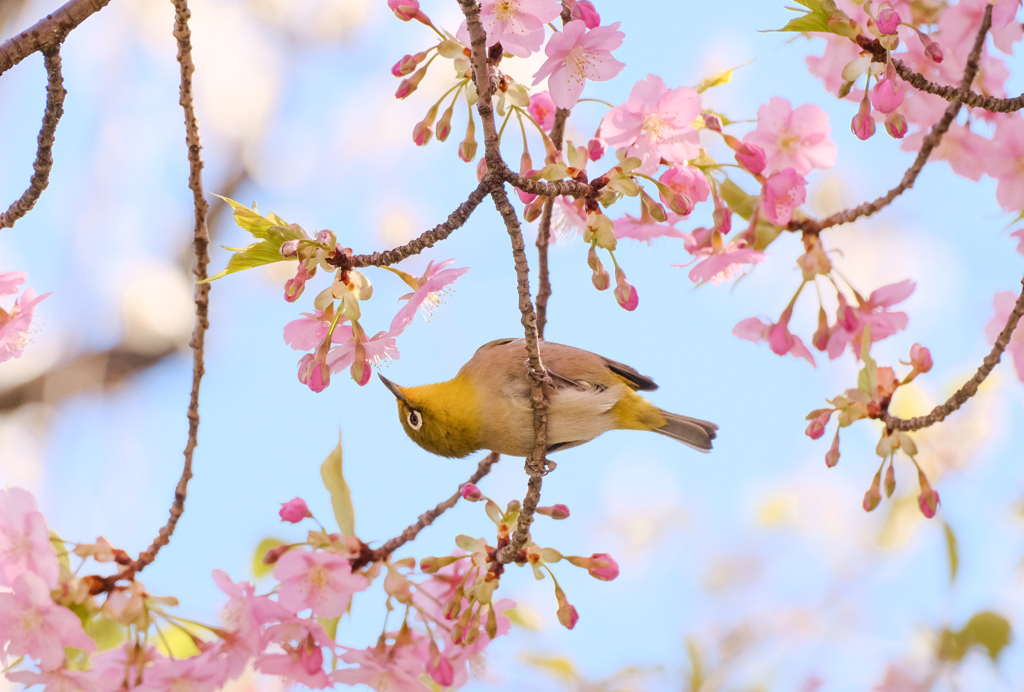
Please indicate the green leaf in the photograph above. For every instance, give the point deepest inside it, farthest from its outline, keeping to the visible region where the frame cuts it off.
(718, 79)
(951, 550)
(737, 199)
(272, 232)
(61, 549)
(341, 496)
(822, 16)
(105, 632)
(260, 568)
(986, 629)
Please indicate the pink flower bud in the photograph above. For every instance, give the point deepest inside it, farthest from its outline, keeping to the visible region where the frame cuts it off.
(595, 149)
(470, 492)
(290, 248)
(294, 511)
(832, 455)
(712, 122)
(722, 216)
(751, 157)
(444, 124)
(887, 382)
(896, 125)
(932, 49)
(567, 616)
(863, 125)
(542, 110)
(405, 10)
(887, 95)
(407, 64)
(441, 672)
(872, 497)
(601, 279)
(481, 168)
(821, 335)
(585, 10)
(816, 428)
(928, 500)
(888, 19)
(603, 567)
(625, 294)
(313, 372)
(920, 358)
(422, 133)
(890, 481)
(274, 554)
(554, 511)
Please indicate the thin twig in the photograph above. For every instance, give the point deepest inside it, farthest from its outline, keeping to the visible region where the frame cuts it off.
(970, 387)
(455, 220)
(930, 142)
(536, 463)
(570, 188)
(48, 32)
(544, 233)
(201, 243)
(425, 519)
(44, 153)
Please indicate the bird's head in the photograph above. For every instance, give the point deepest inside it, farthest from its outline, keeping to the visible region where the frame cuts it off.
(442, 418)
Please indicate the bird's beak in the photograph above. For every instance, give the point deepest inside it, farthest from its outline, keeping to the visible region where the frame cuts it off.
(395, 389)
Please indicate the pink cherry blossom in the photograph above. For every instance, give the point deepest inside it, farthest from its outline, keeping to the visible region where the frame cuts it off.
(16, 324)
(58, 680)
(1003, 302)
(320, 581)
(391, 668)
(518, 25)
(644, 229)
(655, 124)
(718, 266)
(24, 540)
(686, 180)
(576, 54)
(542, 110)
(302, 660)
(783, 192)
(778, 336)
(874, 311)
(1007, 164)
(430, 291)
(1019, 235)
(32, 625)
(568, 218)
(751, 157)
(793, 138)
(203, 673)
(246, 615)
(294, 510)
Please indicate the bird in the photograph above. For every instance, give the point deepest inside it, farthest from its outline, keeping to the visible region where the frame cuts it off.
(487, 404)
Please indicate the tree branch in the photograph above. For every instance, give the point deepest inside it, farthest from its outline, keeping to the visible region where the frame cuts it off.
(536, 463)
(970, 387)
(44, 153)
(570, 188)
(930, 142)
(201, 242)
(544, 233)
(48, 33)
(425, 519)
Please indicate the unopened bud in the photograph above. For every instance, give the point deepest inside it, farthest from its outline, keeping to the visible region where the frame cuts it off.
(470, 492)
(554, 511)
(872, 497)
(890, 481)
(290, 248)
(712, 122)
(832, 455)
(274, 554)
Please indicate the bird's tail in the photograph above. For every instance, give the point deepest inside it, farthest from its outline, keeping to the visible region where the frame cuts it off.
(692, 432)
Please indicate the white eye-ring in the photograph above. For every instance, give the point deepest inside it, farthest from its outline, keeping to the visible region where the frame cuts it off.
(415, 420)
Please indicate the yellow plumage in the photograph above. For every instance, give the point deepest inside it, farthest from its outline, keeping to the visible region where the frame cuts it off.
(487, 404)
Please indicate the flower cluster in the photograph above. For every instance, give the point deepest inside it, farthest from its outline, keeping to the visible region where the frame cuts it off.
(16, 323)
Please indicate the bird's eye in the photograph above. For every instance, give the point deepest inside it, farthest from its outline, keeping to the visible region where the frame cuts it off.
(415, 420)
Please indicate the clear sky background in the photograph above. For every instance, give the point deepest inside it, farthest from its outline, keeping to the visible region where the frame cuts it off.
(757, 554)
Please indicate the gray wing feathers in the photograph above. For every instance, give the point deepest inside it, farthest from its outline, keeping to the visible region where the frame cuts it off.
(692, 432)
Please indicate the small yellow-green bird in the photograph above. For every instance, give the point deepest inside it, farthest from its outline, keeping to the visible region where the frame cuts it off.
(487, 404)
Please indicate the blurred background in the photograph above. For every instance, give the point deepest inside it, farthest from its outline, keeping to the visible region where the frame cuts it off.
(753, 567)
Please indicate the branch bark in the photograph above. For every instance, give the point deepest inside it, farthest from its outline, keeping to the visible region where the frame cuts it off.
(48, 33)
(544, 233)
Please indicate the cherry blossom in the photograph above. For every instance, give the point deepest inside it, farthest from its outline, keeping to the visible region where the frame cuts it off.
(24, 540)
(688, 181)
(518, 25)
(576, 54)
(873, 311)
(429, 291)
(203, 673)
(15, 325)
(1003, 302)
(1019, 235)
(778, 336)
(58, 680)
(302, 660)
(783, 192)
(245, 614)
(793, 138)
(1007, 164)
(32, 625)
(320, 581)
(294, 510)
(392, 668)
(722, 263)
(542, 110)
(644, 228)
(655, 124)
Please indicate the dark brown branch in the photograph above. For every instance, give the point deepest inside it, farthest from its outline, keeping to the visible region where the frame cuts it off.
(536, 463)
(571, 188)
(201, 243)
(544, 233)
(455, 220)
(930, 142)
(48, 33)
(425, 519)
(44, 153)
(970, 387)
